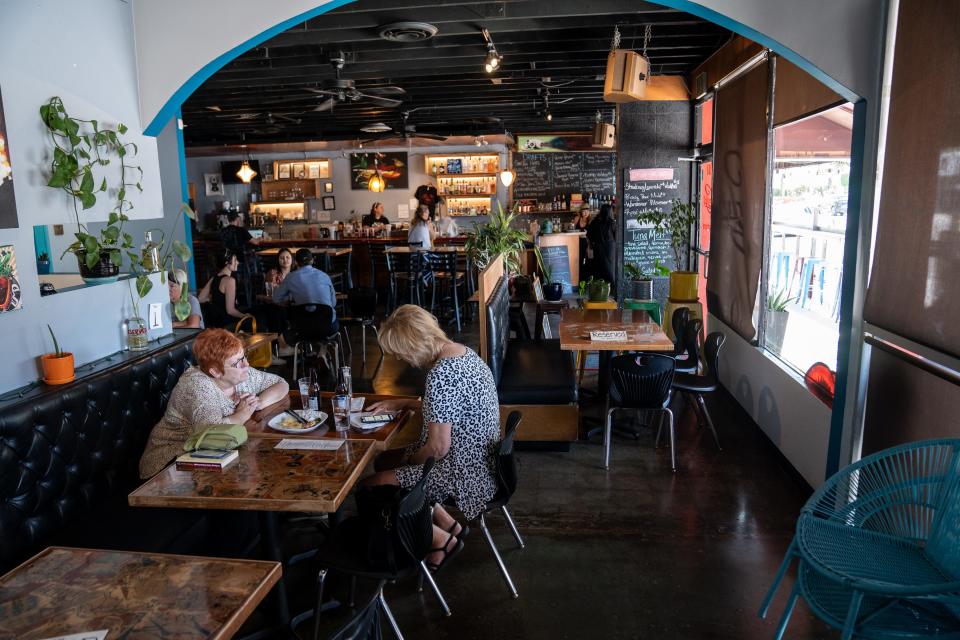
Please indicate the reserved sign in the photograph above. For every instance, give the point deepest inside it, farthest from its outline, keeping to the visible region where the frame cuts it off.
(608, 336)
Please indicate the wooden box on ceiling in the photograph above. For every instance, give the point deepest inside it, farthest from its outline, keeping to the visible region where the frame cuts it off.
(626, 79)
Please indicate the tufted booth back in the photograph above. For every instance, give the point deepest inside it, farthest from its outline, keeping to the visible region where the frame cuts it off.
(498, 327)
(67, 449)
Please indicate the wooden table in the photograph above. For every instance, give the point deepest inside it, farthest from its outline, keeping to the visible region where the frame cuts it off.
(382, 438)
(443, 249)
(62, 591)
(643, 334)
(253, 340)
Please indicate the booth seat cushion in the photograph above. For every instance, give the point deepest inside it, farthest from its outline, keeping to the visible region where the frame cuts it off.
(537, 372)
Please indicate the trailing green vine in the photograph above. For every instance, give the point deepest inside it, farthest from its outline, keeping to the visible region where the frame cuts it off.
(80, 147)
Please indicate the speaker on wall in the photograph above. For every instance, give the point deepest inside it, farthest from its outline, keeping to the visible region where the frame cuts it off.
(626, 78)
(604, 135)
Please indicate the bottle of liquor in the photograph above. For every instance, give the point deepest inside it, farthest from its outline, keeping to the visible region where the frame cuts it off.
(314, 391)
(150, 252)
(341, 404)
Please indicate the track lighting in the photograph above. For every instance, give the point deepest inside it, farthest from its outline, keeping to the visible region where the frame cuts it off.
(493, 59)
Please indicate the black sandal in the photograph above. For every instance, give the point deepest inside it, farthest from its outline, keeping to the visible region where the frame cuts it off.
(464, 531)
(447, 555)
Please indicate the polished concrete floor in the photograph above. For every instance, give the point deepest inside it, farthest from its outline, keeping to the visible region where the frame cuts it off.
(633, 552)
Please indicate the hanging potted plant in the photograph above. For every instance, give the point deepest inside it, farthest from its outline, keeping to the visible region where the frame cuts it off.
(775, 320)
(160, 256)
(81, 150)
(552, 291)
(677, 222)
(640, 281)
(57, 366)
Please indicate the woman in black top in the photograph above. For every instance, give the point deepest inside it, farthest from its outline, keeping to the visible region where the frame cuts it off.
(601, 233)
(375, 216)
(221, 294)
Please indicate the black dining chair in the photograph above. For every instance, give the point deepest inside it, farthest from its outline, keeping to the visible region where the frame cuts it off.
(695, 386)
(689, 362)
(341, 269)
(312, 324)
(640, 383)
(411, 525)
(678, 322)
(408, 274)
(378, 262)
(362, 310)
(446, 276)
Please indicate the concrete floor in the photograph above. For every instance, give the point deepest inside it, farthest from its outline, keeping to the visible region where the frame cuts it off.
(634, 552)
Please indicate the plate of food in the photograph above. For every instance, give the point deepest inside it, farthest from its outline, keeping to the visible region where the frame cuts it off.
(286, 423)
(370, 420)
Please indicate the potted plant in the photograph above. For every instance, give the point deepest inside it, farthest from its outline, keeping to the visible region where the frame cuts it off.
(776, 320)
(552, 291)
(81, 150)
(497, 237)
(43, 264)
(57, 366)
(598, 290)
(677, 222)
(641, 281)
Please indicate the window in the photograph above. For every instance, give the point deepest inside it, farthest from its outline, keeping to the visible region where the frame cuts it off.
(808, 220)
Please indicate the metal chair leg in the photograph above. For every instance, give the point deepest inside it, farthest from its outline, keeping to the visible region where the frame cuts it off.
(351, 600)
(787, 611)
(513, 527)
(296, 352)
(376, 332)
(607, 438)
(389, 614)
(496, 556)
(321, 578)
(851, 622)
(709, 420)
(363, 341)
(782, 571)
(425, 573)
(673, 446)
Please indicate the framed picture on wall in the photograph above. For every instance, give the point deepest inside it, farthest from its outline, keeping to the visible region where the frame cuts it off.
(313, 170)
(392, 166)
(8, 205)
(328, 187)
(213, 184)
(9, 283)
(298, 171)
(283, 172)
(329, 204)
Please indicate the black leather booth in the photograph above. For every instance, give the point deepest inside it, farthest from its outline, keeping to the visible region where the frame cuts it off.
(535, 377)
(69, 456)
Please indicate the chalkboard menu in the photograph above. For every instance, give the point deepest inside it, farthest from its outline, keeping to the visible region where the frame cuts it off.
(650, 189)
(541, 176)
(557, 260)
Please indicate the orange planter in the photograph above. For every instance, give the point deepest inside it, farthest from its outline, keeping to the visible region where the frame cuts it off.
(57, 370)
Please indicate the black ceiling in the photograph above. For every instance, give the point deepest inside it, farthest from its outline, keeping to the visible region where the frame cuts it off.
(555, 46)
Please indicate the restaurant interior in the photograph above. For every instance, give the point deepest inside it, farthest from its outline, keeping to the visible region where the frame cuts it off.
(507, 318)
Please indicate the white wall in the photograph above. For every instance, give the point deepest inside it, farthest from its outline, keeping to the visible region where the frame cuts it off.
(794, 420)
(82, 52)
(346, 199)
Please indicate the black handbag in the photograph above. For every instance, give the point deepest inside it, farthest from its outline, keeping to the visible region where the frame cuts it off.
(377, 507)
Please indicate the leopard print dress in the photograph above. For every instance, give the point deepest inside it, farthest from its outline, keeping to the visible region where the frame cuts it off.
(460, 391)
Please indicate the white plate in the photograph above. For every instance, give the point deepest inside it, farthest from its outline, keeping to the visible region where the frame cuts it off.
(355, 421)
(276, 422)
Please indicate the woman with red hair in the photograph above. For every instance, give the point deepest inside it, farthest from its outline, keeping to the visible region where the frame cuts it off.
(221, 387)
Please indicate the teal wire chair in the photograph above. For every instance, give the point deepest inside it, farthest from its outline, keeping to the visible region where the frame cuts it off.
(879, 546)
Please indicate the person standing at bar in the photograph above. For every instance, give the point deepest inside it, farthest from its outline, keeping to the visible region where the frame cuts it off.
(421, 231)
(602, 236)
(375, 217)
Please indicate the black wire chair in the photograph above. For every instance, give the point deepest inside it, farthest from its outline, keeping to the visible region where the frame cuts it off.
(689, 362)
(362, 308)
(446, 275)
(640, 383)
(312, 324)
(409, 272)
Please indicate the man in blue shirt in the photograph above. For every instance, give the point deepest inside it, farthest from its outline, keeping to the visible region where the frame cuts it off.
(308, 286)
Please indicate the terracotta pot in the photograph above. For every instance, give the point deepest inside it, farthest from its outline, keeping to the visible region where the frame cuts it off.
(57, 370)
(683, 286)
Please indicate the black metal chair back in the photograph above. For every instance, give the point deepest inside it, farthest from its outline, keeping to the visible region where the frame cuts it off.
(442, 262)
(506, 462)
(691, 346)
(681, 316)
(406, 269)
(711, 355)
(342, 266)
(414, 518)
(312, 321)
(641, 381)
(362, 302)
(378, 261)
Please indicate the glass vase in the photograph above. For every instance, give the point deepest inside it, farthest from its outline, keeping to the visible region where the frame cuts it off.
(136, 334)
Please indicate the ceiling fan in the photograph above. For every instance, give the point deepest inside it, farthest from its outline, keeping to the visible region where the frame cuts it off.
(271, 118)
(405, 131)
(345, 90)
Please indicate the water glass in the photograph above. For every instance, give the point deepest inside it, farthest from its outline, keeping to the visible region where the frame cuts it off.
(347, 378)
(341, 412)
(304, 384)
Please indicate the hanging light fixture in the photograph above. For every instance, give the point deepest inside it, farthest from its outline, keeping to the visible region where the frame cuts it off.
(507, 176)
(493, 59)
(376, 182)
(246, 172)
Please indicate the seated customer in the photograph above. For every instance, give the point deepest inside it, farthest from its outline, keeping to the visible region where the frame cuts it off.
(307, 286)
(421, 229)
(220, 388)
(176, 281)
(461, 424)
(221, 292)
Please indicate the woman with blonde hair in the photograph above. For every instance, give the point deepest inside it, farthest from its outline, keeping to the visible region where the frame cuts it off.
(461, 425)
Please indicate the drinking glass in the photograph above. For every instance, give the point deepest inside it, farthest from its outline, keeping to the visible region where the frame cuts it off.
(341, 412)
(347, 379)
(304, 392)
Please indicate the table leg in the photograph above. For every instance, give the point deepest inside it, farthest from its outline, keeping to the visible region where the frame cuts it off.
(603, 390)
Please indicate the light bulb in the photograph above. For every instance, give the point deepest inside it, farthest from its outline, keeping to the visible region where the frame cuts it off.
(246, 173)
(506, 177)
(549, 116)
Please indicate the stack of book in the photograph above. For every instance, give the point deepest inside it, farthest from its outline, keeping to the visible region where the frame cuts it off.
(215, 459)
